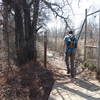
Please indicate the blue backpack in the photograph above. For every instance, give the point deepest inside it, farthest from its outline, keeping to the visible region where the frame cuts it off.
(72, 43)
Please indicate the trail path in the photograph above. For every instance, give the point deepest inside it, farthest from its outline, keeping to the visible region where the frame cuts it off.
(83, 87)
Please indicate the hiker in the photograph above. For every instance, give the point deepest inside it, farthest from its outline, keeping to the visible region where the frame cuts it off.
(70, 45)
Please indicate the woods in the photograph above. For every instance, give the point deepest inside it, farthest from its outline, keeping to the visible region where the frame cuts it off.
(25, 19)
(26, 14)
(32, 45)
(25, 30)
(20, 23)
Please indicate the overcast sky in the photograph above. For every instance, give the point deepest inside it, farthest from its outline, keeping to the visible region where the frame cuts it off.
(78, 14)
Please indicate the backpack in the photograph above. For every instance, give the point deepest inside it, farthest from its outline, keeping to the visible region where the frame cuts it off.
(73, 42)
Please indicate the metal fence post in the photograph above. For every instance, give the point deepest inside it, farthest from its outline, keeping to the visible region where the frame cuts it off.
(85, 34)
(98, 66)
(45, 49)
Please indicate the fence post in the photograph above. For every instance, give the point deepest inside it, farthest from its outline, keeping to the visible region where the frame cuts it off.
(98, 66)
(85, 34)
(45, 49)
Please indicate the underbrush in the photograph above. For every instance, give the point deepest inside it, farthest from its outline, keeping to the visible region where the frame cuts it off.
(90, 65)
(31, 82)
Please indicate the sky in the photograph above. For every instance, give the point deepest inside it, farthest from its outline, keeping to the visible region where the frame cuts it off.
(90, 5)
(78, 14)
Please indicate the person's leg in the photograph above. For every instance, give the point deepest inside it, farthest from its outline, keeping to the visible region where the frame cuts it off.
(72, 58)
(67, 61)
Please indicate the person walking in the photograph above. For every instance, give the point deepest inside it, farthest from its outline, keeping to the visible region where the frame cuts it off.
(70, 45)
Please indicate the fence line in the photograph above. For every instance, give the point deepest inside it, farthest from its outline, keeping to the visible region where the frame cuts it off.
(85, 41)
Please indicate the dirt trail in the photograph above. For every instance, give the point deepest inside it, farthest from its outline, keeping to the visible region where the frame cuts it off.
(83, 87)
(59, 67)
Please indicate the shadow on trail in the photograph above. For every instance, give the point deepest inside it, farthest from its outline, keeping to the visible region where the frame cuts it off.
(75, 91)
(62, 76)
(87, 85)
(60, 94)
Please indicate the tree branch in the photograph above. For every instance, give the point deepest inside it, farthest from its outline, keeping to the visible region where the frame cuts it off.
(78, 2)
(38, 28)
(49, 5)
(70, 6)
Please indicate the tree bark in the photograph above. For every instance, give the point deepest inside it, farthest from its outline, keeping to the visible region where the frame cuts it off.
(27, 21)
(19, 34)
(34, 25)
(5, 23)
(28, 49)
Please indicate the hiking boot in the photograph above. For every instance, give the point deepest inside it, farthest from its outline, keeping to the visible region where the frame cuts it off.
(72, 74)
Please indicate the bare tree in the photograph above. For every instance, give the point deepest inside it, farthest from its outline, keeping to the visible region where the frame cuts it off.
(28, 20)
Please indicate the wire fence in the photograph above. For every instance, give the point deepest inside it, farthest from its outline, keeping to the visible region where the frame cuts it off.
(89, 42)
(92, 28)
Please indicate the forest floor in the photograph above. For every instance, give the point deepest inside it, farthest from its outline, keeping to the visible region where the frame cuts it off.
(32, 81)
(29, 82)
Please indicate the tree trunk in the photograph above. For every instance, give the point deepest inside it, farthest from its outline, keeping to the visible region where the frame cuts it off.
(28, 49)
(5, 23)
(25, 32)
(34, 26)
(27, 20)
(19, 34)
